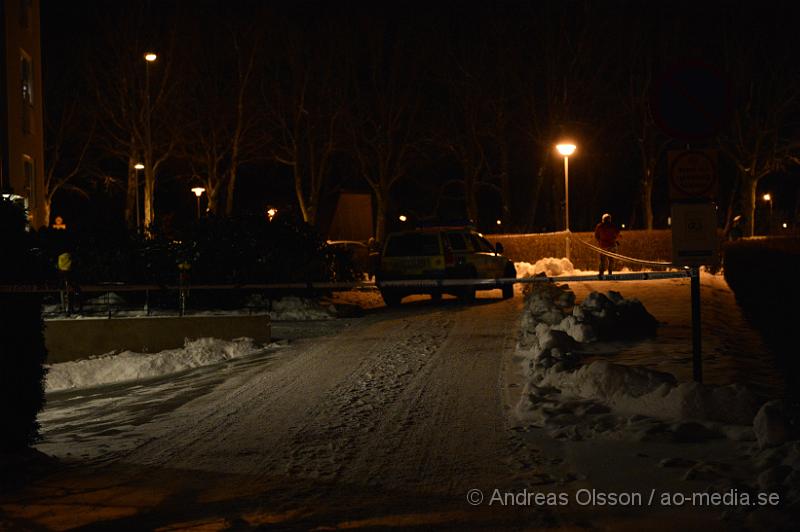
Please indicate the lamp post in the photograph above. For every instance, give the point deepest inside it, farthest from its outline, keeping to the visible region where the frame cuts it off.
(138, 167)
(149, 57)
(198, 191)
(566, 150)
(768, 198)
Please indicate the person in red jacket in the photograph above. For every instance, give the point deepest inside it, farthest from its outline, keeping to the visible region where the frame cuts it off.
(606, 234)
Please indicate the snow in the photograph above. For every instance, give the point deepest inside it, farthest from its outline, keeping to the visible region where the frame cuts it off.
(553, 327)
(552, 267)
(432, 399)
(573, 396)
(131, 366)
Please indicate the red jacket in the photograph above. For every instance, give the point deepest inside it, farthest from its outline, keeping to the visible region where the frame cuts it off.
(606, 234)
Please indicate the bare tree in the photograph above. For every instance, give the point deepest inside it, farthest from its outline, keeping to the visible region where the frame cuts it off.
(68, 141)
(304, 100)
(134, 103)
(762, 138)
(220, 127)
(383, 118)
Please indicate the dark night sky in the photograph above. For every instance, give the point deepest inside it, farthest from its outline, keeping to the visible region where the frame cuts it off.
(606, 40)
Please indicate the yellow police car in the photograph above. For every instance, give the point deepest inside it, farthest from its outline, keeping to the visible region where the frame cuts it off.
(440, 253)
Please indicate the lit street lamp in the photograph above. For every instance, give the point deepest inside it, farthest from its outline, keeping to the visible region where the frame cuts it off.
(271, 212)
(198, 191)
(150, 57)
(566, 150)
(403, 218)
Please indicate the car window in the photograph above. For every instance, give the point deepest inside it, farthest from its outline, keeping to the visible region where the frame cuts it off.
(457, 241)
(481, 244)
(413, 245)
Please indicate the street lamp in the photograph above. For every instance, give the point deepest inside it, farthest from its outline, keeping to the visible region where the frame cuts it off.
(198, 191)
(403, 218)
(566, 149)
(271, 212)
(768, 198)
(150, 57)
(138, 167)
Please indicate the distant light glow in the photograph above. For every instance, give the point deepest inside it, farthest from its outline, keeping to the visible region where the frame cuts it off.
(139, 166)
(403, 218)
(198, 191)
(785, 225)
(623, 226)
(271, 212)
(767, 197)
(150, 57)
(499, 222)
(566, 149)
(669, 220)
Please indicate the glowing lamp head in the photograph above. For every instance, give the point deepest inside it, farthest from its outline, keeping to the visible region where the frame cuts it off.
(150, 57)
(566, 149)
(139, 166)
(499, 222)
(198, 191)
(271, 212)
(785, 225)
(767, 197)
(403, 218)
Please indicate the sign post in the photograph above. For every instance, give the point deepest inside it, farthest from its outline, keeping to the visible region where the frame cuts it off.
(693, 185)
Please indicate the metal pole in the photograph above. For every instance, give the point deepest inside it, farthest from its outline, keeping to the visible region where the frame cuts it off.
(697, 339)
(138, 215)
(198, 206)
(566, 201)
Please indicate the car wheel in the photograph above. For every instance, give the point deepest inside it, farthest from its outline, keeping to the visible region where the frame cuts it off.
(391, 297)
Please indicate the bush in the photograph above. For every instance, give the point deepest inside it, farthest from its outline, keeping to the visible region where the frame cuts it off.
(245, 250)
(22, 348)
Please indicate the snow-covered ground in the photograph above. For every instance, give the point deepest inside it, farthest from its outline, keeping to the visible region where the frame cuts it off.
(390, 419)
(739, 442)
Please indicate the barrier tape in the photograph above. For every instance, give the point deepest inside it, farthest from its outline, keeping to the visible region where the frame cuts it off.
(623, 257)
(406, 283)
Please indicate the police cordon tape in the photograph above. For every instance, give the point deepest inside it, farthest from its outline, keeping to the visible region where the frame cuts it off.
(405, 283)
(625, 258)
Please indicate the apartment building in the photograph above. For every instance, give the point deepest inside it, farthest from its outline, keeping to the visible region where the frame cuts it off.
(21, 115)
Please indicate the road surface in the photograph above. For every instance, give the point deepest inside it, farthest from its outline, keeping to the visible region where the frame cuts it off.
(392, 419)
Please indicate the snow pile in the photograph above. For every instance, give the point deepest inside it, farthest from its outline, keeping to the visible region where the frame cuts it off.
(551, 309)
(130, 366)
(550, 266)
(295, 308)
(553, 328)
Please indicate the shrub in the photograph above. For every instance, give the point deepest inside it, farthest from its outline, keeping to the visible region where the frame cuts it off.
(22, 348)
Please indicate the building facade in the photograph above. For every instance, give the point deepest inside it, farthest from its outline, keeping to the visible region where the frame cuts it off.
(21, 117)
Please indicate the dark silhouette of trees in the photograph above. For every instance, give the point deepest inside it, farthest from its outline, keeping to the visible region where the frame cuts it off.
(304, 97)
(135, 98)
(220, 121)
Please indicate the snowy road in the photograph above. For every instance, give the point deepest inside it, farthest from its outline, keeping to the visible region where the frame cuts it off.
(403, 409)
(389, 419)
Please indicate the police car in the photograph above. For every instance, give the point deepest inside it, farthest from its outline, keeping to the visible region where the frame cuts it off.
(440, 253)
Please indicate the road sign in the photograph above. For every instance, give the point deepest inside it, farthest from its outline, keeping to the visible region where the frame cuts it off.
(694, 234)
(693, 174)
